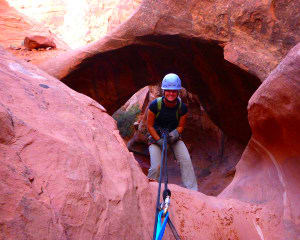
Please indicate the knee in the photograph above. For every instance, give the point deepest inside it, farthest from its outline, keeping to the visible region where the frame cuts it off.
(154, 151)
(181, 150)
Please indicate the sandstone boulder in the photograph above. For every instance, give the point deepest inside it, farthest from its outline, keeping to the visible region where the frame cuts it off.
(54, 144)
(37, 42)
(15, 27)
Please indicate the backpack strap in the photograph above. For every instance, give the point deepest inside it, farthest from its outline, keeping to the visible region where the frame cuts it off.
(159, 104)
(178, 109)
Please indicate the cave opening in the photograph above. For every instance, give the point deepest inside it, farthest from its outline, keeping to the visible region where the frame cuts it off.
(223, 90)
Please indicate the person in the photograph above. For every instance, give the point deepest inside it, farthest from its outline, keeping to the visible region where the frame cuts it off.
(169, 112)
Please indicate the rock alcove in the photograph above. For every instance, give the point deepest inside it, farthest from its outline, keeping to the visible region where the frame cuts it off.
(223, 89)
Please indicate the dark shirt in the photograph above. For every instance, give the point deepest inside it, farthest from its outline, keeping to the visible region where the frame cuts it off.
(167, 116)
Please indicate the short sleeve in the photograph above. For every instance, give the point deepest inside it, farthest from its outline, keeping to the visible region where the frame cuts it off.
(184, 109)
(153, 106)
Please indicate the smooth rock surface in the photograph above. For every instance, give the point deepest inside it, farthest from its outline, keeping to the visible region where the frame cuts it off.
(267, 174)
(60, 177)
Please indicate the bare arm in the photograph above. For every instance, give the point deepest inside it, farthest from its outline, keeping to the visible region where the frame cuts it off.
(150, 125)
(181, 123)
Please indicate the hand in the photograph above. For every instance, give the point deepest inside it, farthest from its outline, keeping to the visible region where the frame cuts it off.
(160, 142)
(173, 136)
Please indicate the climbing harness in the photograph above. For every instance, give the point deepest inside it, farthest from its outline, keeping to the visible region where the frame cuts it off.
(162, 208)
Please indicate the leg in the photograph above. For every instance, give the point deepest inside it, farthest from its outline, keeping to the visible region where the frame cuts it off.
(155, 159)
(187, 171)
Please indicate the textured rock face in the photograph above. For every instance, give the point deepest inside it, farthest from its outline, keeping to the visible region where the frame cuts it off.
(6, 131)
(262, 33)
(214, 155)
(59, 177)
(80, 22)
(272, 158)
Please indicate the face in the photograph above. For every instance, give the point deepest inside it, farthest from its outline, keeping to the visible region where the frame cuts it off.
(171, 95)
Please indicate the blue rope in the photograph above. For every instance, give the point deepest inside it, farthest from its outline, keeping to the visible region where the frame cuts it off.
(163, 155)
(160, 228)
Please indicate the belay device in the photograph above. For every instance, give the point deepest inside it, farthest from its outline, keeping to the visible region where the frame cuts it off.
(162, 214)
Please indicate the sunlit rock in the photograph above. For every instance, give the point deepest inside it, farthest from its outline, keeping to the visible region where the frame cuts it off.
(78, 22)
(15, 27)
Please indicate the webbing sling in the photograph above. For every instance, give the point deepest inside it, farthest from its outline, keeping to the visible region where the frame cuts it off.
(158, 227)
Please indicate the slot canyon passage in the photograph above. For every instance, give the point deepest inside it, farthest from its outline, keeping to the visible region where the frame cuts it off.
(67, 173)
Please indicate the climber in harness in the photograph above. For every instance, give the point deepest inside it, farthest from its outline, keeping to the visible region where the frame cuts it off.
(162, 214)
(166, 120)
(169, 112)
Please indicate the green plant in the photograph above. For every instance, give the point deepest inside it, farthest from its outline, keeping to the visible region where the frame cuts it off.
(126, 119)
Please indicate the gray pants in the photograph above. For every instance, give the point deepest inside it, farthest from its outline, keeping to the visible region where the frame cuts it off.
(182, 155)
